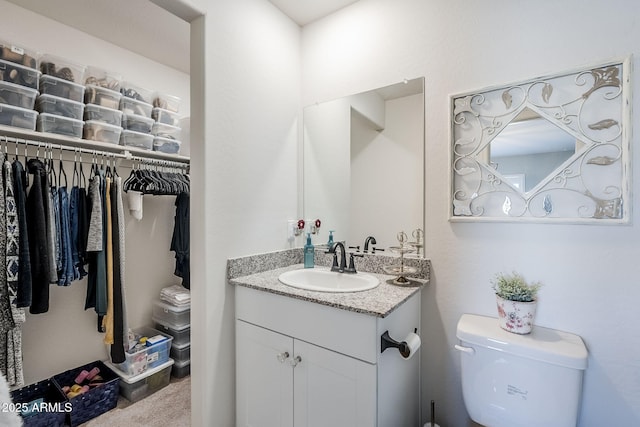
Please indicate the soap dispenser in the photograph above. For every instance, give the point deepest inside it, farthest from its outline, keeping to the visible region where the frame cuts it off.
(330, 241)
(308, 253)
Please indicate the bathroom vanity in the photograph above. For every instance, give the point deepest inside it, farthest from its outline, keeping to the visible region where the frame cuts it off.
(307, 358)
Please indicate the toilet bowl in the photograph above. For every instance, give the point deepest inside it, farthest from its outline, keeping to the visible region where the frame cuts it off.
(511, 380)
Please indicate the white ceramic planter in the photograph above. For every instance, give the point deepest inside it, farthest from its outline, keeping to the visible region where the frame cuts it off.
(516, 316)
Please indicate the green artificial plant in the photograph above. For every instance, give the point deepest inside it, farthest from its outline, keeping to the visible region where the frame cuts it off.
(514, 287)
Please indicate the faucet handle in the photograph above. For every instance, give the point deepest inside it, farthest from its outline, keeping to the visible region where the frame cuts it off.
(352, 265)
(357, 248)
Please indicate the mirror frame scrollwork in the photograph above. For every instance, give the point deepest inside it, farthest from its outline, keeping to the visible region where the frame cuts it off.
(592, 105)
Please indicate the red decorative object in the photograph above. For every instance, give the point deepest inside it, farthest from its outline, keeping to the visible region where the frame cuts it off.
(300, 224)
(318, 223)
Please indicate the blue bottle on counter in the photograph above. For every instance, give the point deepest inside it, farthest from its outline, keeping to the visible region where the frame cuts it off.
(308, 253)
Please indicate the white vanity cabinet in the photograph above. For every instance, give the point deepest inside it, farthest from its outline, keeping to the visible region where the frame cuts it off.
(304, 364)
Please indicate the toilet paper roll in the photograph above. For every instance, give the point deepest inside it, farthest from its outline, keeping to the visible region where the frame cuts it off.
(413, 344)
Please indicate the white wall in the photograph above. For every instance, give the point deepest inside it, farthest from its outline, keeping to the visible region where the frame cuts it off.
(66, 336)
(247, 169)
(589, 272)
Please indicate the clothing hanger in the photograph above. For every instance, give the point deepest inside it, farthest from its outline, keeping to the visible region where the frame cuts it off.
(75, 180)
(62, 172)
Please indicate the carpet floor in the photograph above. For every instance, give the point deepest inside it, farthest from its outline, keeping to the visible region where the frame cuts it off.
(168, 407)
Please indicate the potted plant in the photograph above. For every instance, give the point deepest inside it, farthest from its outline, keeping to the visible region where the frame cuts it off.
(516, 300)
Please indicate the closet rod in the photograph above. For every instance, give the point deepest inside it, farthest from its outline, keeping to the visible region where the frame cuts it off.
(116, 154)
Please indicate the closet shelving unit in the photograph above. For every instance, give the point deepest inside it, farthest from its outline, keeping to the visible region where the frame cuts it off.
(21, 136)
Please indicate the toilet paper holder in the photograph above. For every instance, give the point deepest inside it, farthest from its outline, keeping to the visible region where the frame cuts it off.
(387, 342)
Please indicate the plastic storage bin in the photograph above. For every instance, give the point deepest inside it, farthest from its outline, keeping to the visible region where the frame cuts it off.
(18, 54)
(180, 336)
(181, 369)
(133, 91)
(166, 145)
(132, 106)
(97, 400)
(18, 96)
(60, 106)
(166, 131)
(102, 114)
(19, 74)
(60, 125)
(136, 139)
(103, 78)
(62, 68)
(137, 387)
(167, 117)
(50, 395)
(102, 96)
(147, 356)
(166, 102)
(172, 316)
(101, 131)
(18, 117)
(180, 353)
(55, 86)
(137, 123)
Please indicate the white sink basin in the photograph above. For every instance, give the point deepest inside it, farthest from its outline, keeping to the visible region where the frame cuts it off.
(325, 280)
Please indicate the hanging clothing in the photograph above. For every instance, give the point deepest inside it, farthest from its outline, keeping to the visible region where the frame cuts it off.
(14, 372)
(120, 326)
(37, 207)
(107, 320)
(24, 262)
(65, 271)
(180, 240)
(6, 316)
(53, 231)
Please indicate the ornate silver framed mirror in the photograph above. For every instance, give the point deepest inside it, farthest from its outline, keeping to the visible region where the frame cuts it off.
(554, 148)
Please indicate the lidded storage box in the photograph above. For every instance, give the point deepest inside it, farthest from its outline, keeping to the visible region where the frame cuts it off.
(137, 123)
(18, 54)
(19, 74)
(152, 350)
(60, 125)
(181, 336)
(18, 117)
(62, 68)
(137, 387)
(166, 102)
(175, 317)
(133, 91)
(102, 114)
(167, 117)
(18, 96)
(102, 96)
(98, 77)
(136, 139)
(50, 85)
(60, 106)
(100, 131)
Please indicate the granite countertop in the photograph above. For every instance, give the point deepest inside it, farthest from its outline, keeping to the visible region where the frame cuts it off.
(380, 301)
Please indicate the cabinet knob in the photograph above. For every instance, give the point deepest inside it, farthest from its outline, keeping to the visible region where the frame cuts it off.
(295, 361)
(283, 356)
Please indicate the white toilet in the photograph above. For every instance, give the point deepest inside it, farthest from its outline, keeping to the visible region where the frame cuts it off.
(511, 380)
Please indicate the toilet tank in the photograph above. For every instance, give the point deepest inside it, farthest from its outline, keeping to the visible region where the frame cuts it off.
(511, 380)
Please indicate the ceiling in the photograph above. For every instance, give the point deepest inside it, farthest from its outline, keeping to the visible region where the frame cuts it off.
(149, 30)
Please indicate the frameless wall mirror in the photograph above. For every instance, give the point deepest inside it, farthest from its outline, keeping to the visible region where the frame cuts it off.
(551, 149)
(364, 164)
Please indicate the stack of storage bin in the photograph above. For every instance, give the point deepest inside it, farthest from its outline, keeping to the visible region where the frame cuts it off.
(166, 129)
(137, 123)
(61, 99)
(102, 98)
(19, 82)
(172, 316)
(147, 367)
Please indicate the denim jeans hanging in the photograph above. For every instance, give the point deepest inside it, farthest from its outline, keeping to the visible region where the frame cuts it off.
(66, 274)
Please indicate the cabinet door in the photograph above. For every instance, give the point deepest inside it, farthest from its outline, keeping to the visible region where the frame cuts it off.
(331, 389)
(264, 377)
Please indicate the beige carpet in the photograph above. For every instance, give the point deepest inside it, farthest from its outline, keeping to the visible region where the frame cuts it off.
(170, 406)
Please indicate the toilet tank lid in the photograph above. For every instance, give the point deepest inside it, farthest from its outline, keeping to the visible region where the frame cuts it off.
(543, 344)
